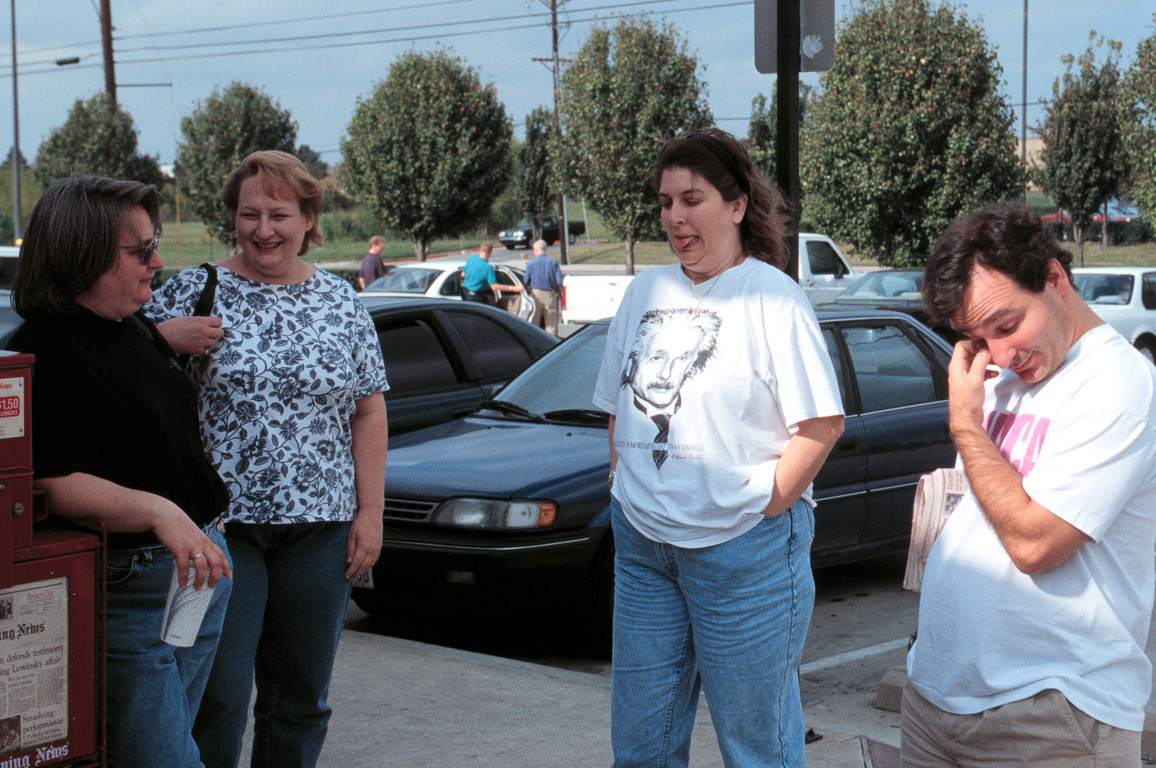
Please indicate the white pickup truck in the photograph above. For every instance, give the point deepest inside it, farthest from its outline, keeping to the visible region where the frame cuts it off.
(824, 273)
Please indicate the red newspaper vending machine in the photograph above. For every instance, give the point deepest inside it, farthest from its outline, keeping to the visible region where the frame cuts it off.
(49, 651)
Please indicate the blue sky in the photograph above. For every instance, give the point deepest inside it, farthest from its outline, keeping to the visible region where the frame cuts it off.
(179, 51)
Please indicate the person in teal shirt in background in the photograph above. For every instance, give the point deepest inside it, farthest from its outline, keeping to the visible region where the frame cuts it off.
(479, 281)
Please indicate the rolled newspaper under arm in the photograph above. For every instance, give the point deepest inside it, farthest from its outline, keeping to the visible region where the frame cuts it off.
(936, 498)
(184, 610)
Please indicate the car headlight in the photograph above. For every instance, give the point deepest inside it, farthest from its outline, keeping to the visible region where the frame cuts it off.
(496, 514)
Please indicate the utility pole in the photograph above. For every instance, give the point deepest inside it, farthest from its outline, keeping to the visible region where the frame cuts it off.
(563, 222)
(555, 63)
(16, 231)
(106, 46)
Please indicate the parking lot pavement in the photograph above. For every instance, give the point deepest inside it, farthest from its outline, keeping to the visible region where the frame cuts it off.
(403, 703)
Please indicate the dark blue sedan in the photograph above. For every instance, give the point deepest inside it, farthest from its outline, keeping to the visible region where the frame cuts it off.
(509, 507)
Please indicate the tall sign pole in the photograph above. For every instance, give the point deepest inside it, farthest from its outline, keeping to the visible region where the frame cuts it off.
(17, 229)
(792, 36)
(1024, 100)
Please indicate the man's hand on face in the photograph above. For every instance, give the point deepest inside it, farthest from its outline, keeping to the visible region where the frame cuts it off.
(965, 377)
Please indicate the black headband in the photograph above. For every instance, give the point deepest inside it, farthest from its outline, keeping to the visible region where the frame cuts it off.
(724, 155)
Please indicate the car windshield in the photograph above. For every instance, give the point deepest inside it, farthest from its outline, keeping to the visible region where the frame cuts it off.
(886, 285)
(415, 280)
(1104, 287)
(564, 379)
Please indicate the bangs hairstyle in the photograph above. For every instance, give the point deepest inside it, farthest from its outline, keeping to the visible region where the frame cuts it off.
(719, 158)
(73, 237)
(1008, 238)
(280, 175)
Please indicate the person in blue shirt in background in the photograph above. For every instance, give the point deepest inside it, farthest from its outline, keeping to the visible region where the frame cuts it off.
(544, 279)
(480, 282)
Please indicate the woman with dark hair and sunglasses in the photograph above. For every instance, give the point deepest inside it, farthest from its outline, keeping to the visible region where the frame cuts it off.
(723, 406)
(116, 438)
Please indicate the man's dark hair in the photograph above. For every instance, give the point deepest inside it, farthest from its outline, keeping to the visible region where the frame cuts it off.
(72, 239)
(1007, 238)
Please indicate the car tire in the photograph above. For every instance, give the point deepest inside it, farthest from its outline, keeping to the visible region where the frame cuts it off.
(511, 247)
(597, 614)
(1147, 348)
(572, 239)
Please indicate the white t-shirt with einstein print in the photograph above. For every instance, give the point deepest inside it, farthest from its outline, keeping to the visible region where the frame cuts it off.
(707, 383)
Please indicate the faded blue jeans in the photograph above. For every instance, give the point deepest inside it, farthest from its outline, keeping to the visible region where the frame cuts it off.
(282, 628)
(730, 618)
(154, 688)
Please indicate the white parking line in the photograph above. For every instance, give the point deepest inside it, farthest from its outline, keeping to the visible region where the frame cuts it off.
(843, 658)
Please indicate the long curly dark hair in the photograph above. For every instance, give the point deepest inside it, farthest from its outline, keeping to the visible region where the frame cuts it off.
(719, 158)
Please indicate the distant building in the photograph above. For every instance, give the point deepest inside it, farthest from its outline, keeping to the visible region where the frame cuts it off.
(1035, 146)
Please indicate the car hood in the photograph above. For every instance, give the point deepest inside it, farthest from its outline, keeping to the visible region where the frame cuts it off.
(497, 458)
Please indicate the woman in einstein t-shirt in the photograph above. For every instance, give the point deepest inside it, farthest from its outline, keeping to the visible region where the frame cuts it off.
(724, 406)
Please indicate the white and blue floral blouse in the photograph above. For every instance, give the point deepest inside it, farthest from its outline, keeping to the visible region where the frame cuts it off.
(279, 391)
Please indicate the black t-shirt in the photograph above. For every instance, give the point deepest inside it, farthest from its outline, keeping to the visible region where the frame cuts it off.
(109, 400)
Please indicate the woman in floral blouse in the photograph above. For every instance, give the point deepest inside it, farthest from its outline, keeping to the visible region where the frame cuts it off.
(291, 377)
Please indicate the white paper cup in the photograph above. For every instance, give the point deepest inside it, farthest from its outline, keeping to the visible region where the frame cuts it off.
(184, 610)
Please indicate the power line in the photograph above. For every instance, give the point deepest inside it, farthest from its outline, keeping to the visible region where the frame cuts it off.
(268, 23)
(406, 39)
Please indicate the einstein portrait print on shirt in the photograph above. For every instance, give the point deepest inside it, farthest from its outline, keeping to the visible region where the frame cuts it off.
(670, 346)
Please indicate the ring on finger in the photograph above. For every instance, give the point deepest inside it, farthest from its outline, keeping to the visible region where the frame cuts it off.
(199, 554)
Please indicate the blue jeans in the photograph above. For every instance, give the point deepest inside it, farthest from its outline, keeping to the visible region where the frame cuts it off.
(730, 618)
(284, 621)
(154, 688)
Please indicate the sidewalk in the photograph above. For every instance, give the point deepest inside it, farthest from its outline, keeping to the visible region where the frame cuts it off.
(399, 703)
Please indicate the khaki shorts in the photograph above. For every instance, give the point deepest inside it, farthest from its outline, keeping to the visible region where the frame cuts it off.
(1045, 730)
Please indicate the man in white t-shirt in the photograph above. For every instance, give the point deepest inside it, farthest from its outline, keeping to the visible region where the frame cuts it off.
(1038, 594)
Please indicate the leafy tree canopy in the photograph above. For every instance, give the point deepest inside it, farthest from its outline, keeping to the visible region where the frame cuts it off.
(1137, 115)
(312, 161)
(910, 132)
(533, 177)
(220, 132)
(628, 92)
(428, 151)
(96, 138)
(762, 129)
(1083, 164)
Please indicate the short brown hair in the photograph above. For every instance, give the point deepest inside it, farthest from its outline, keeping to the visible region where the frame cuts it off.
(720, 159)
(486, 247)
(1008, 238)
(376, 240)
(72, 239)
(278, 172)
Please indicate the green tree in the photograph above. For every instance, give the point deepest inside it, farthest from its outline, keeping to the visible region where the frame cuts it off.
(220, 132)
(312, 161)
(428, 151)
(1083, 163)
(761, 130)
(1137, 114)
(909, 133)
(30, 192)
(96, 138)
(628, 92)
(533, 176)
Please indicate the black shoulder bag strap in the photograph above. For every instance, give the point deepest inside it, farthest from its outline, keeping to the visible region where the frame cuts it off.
(204, 306)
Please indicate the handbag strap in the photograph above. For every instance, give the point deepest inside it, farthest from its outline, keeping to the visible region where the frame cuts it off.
(204, 306)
